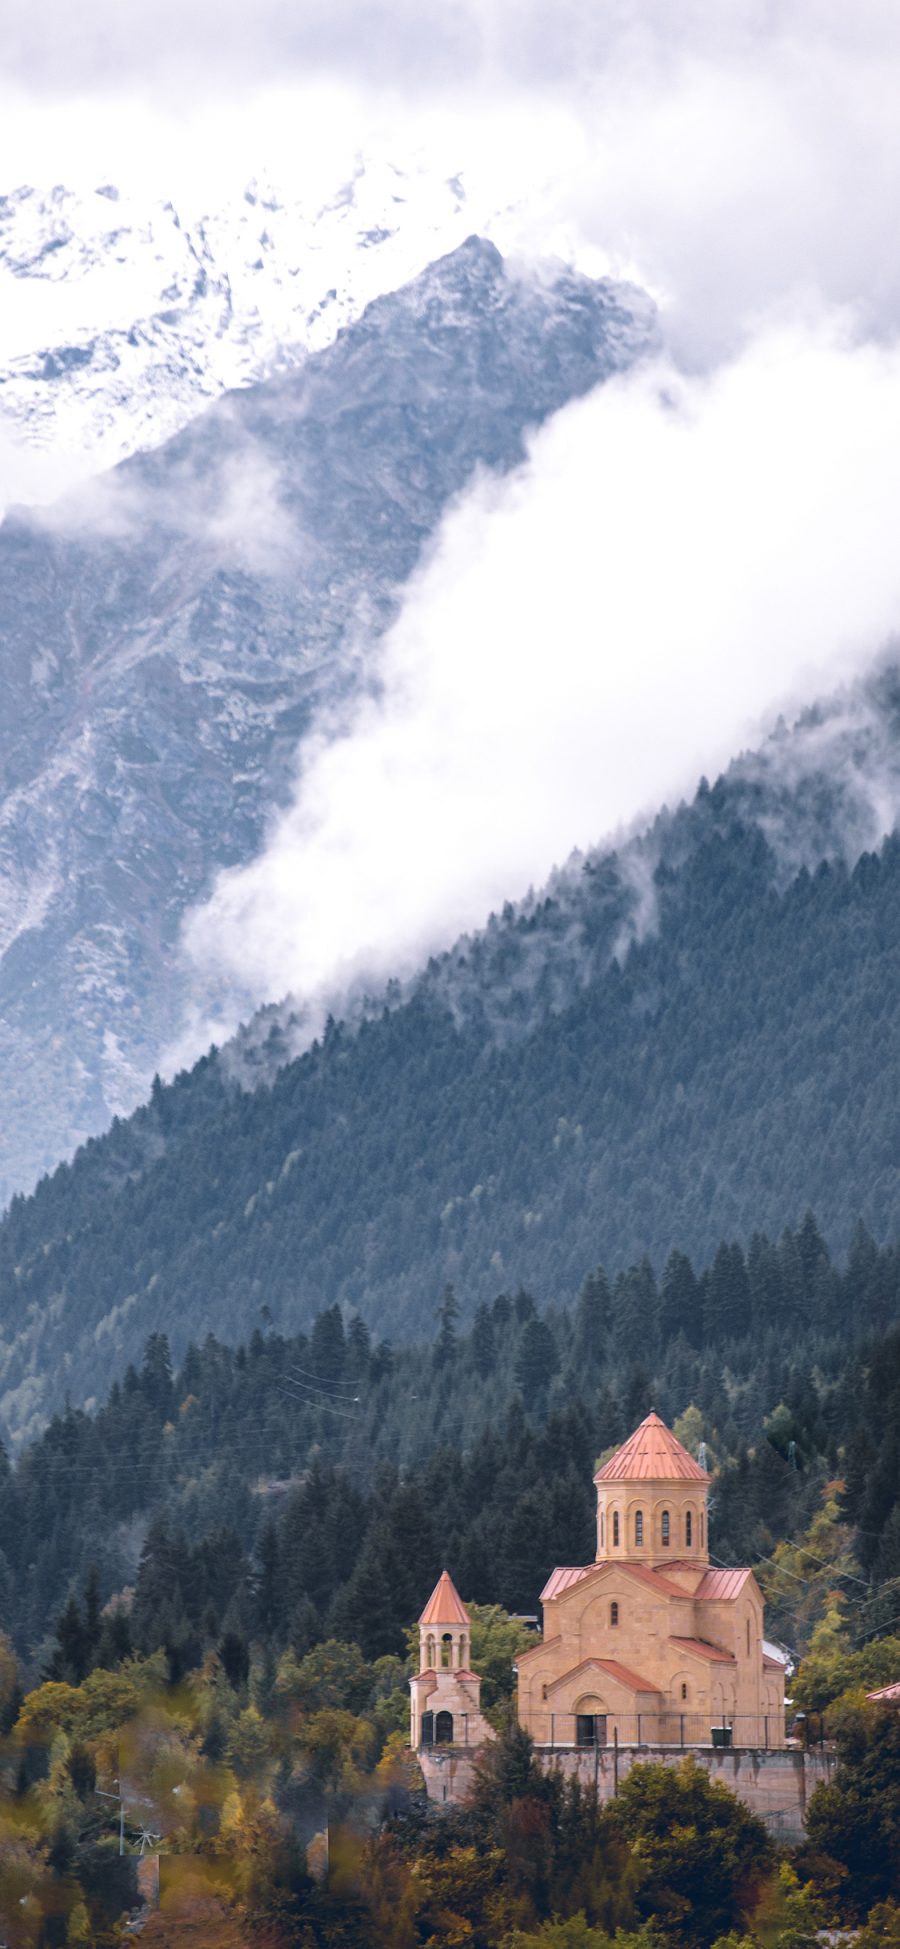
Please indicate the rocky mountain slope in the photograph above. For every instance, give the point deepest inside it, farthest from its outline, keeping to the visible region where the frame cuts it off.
(687, 1040)
(122, 317)
(167, 632)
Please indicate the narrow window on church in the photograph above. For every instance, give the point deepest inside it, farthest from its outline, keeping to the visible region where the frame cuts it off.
(615, 1529)
(748, 1637)
(446, 1643)
(639, 1528)
(701, 1528)
(614, 1614)
(689, 1529)
(665, 1529)
(684, 1691)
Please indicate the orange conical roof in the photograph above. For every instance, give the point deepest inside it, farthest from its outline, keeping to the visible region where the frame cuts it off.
(651, 1454)
(445, 1606)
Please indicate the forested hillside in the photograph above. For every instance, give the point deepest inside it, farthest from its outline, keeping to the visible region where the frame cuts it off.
(737, 1062)
(315, 1486)
(213, 1580)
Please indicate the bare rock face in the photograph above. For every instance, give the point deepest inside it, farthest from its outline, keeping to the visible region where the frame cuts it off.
(168, 630)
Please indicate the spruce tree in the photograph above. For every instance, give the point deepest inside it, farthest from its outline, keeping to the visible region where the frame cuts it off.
(448, 1314)
(484, 1343)
(537, 1360)
(592, 1323)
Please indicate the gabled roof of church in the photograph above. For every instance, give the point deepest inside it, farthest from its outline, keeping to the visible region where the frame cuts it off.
(623, 1673)
(721, 1586)
(562, 1579)
(651, 1454)
(701, 1648)
(566, 1575)
(445, 1606)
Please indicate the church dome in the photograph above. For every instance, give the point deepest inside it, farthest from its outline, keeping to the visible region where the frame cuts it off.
(651, 1454)
(445, 1606)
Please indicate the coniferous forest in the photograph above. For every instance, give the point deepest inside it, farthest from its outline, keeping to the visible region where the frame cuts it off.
(305, 1331)
(734, 1066)
(210, 1584)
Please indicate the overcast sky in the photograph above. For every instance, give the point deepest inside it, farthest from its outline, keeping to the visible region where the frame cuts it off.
(682, 555)
(734, 155)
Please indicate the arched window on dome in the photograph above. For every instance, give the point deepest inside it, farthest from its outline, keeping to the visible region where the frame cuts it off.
(446, 1649)
(613, 1614)
(666, 1529)
(615, 1529)
(639, 1528)
(689, 1529)
(429, 1652)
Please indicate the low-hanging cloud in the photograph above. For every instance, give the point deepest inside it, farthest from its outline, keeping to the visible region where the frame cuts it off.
(685, 551)
(679, 555)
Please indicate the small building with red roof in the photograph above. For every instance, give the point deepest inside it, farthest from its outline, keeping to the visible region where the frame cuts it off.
(885, 1695)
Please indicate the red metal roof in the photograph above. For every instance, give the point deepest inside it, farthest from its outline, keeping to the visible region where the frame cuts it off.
(775, 1665)
(721, 1586)
(445, 1606)
(701, 1649)
(562, 1578)
(622, 1673)
(566, 1575)
(656, 1579)
(651, 1454)
(886, 1694)
(627, 1677)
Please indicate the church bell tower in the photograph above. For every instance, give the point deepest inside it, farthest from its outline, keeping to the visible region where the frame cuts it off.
(445, 1694)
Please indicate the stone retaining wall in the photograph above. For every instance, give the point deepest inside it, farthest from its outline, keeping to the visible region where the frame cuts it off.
(775, 1785)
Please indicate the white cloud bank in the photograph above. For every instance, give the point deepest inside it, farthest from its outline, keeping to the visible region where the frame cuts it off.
(679, 555)
(686, 549)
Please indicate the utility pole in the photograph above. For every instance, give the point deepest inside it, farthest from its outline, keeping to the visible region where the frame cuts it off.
(120, 1798)
(121, 1804)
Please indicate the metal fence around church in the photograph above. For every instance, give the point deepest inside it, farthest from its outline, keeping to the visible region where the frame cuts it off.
(595, 1732)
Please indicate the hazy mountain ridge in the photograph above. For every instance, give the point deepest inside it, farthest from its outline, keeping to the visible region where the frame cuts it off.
(736, 1064)
(825, 787)
(167, 632)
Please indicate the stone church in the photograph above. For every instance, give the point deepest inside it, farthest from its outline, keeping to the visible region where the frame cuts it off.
(649, 1645)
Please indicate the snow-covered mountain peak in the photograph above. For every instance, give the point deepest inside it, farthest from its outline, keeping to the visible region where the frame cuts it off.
(120, 317)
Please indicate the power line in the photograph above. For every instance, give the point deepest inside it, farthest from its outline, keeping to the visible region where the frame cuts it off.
(324, 1380)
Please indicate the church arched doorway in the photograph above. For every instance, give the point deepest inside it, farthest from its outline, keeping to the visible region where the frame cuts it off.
(590, 1722)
